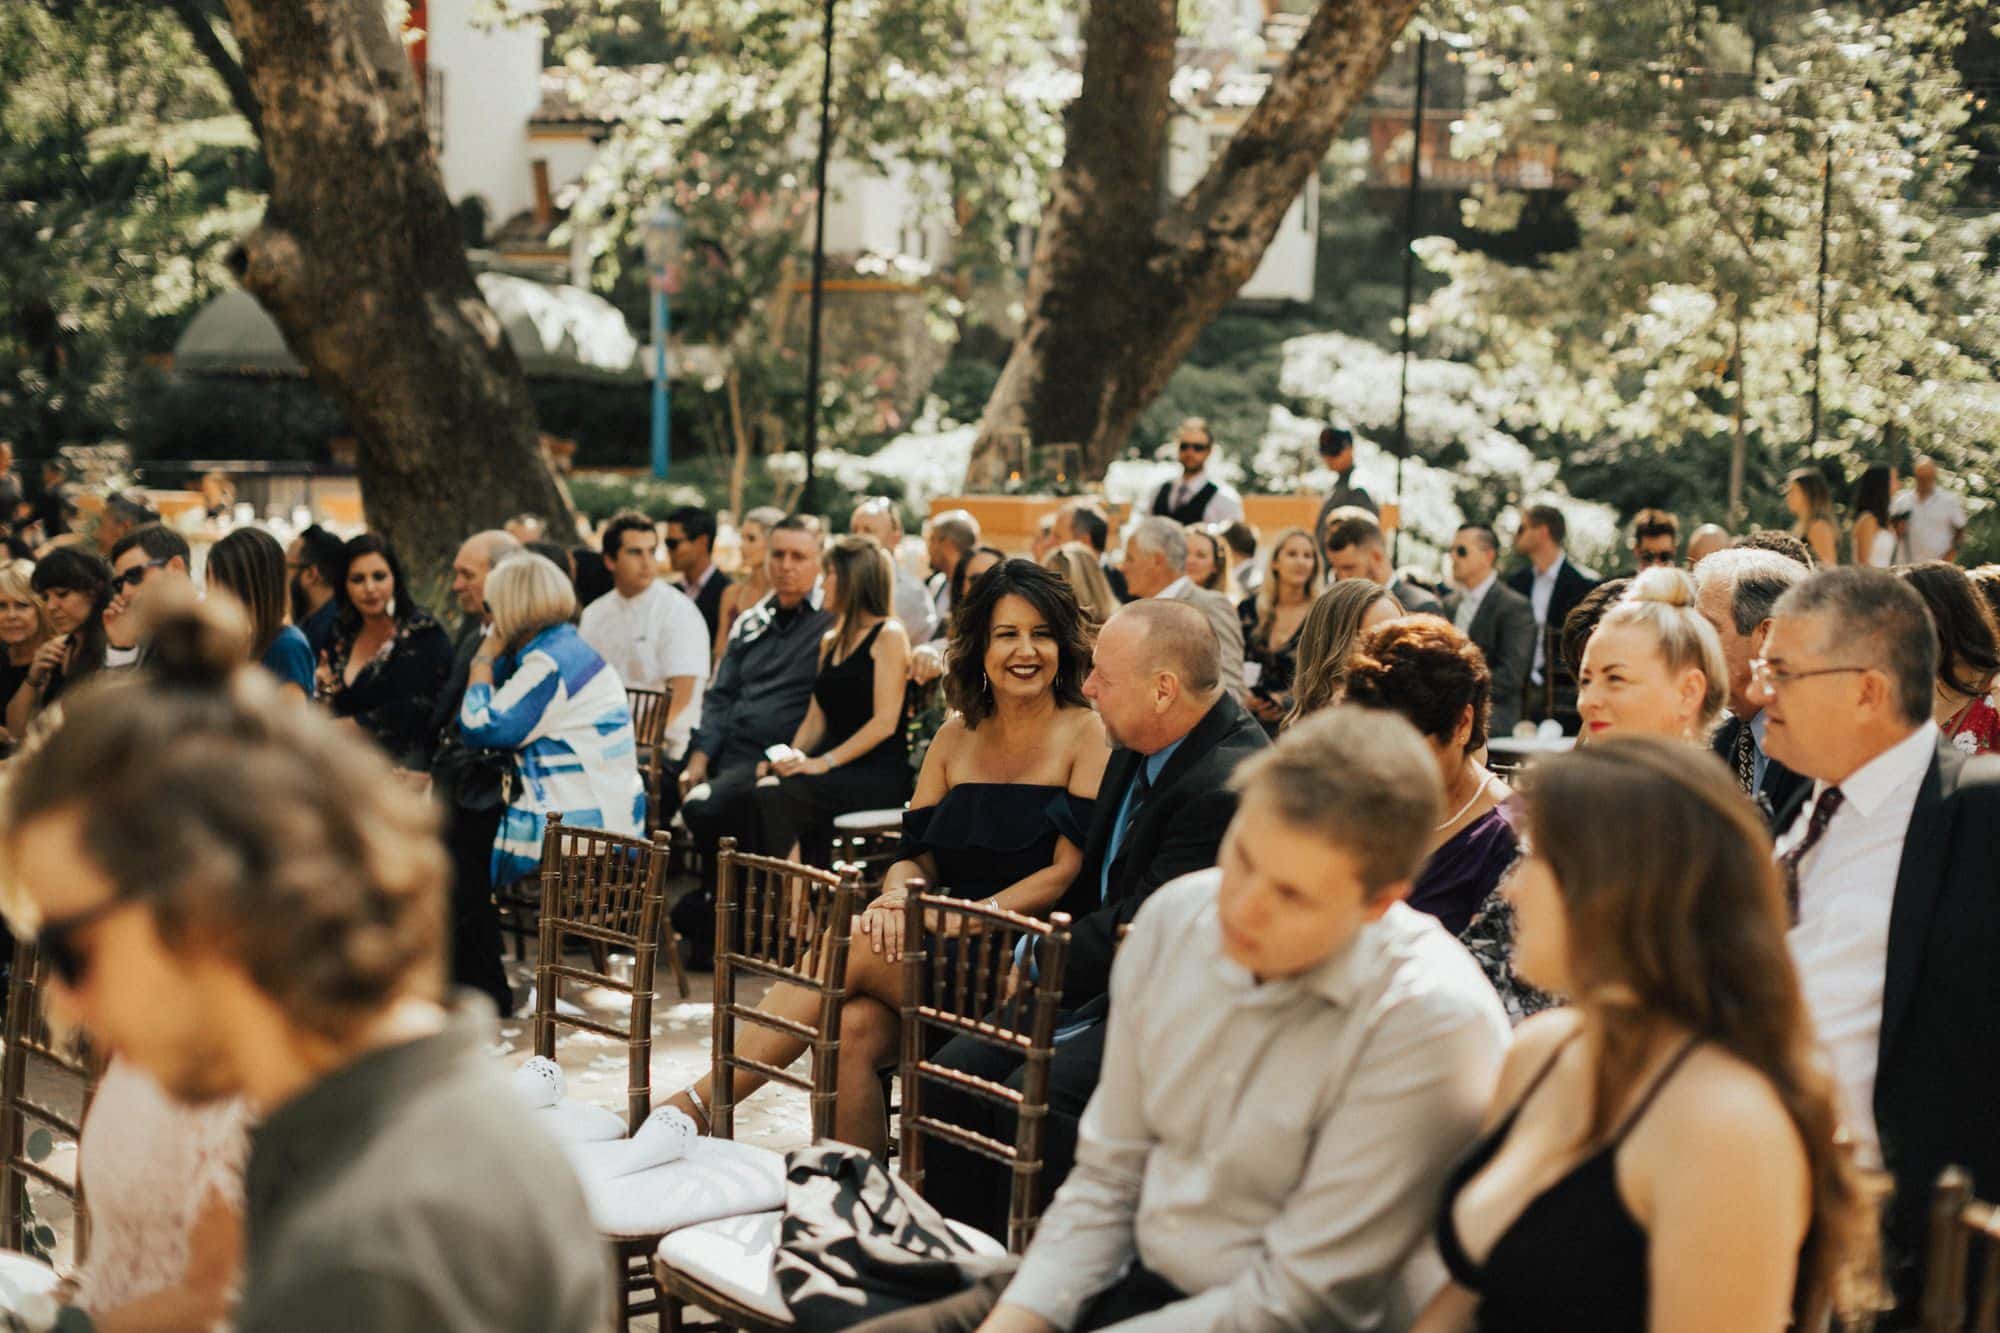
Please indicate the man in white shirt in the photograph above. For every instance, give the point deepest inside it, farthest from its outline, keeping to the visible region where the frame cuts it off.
(648, 630)
(1295, 1059)
(1194, 497)
(1932, 520)
(1891, 861)
(1156, 566)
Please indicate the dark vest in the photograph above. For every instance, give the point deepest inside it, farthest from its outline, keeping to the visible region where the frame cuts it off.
(1192, 511)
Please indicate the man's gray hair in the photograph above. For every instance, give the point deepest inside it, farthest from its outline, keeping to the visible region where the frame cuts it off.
(1178, 639)
(1163, 536)
(959, 528)
(1756, 580)
(495, 545)
(1877, 621)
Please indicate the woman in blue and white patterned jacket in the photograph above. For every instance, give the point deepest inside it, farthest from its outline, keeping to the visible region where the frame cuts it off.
(538, 689)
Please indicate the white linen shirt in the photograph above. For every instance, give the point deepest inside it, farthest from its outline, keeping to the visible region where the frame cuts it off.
(650, 639)
(1275, 1149)
(1847, 886)
(1934, 523)
(1540, 593)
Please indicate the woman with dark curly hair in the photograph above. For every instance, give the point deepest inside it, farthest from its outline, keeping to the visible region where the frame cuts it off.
(1968, 655)
(389, 657)
(999, 816)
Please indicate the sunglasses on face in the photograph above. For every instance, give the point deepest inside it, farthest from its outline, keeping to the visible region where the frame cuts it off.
(136, 575)
(674, 543)
(1197, 446)
(1461, 551)
(58, 940)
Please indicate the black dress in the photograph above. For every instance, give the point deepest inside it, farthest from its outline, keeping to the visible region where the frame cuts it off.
(801, 808)
(1574, 1259)
(393, 695)
(986, 836)
(1279, 664)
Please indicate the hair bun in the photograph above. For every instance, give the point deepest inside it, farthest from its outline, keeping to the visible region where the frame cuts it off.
(191, 644)
(1661, 584)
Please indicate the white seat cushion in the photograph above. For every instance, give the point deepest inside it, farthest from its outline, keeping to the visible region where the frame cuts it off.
(716, 1179)
(735, 1256)
(571, 1121)
(870, 821)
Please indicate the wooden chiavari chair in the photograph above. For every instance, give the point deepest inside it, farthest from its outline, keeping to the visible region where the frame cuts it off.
(1956, 1219)
(25, 1116)
(649, 728)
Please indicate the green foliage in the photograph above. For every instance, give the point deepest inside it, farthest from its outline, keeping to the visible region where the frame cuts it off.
(1691, 295)
(124, 176)
(963, 386)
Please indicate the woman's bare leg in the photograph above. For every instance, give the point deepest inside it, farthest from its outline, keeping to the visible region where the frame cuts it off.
(869, 1030)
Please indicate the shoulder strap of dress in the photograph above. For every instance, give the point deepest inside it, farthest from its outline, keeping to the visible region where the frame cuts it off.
(1638, 1112)
(1542, 1074)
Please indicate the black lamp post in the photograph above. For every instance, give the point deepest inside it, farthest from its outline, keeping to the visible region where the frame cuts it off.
(818, 255)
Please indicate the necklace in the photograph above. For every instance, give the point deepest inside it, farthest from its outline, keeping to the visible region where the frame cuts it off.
(1458, 814)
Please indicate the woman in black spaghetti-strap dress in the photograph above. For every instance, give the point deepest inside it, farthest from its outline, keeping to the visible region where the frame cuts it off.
(1665, 1157)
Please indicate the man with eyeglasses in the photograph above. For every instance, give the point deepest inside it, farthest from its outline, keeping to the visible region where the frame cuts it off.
(1495, 617)
(142, 557)
(1890, 863)
(1195, 497)
(1656, 539)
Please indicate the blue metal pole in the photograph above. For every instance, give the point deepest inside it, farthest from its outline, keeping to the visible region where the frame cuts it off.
(661, 455)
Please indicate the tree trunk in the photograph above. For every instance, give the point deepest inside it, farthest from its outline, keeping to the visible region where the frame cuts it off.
(1122, 284)
(360, 260)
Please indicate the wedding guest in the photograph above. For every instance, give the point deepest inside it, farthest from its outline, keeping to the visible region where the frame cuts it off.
(1782, 543)
(690, 545)
(316, 559)
(998, 817)
(1273, 620)
(1706, 541)
(753, 580)
(1553, 585)
(1208, 559)
(848, 752)
(1083, 520)
(1661, 1153)
(1246, 572)
(1656, 537)
(1194, 496)
(124, 511)
(390, 656)
(910, 602)
(24, 628)
(1968, 655)
(1933, 519)
(948, 540)
(75, 588)
(1493, 616)
(1336, 454)
(1356, 548)
(1295, 1058)
(236, 896)
(1336, 622)
(1156, 566)
(249, 565)
(1735, 591)
(537, 689)
(1653, 664)
(1581, 622)
(650, 631)
(1809, 500)
(1874, 536)
(147, 558)
(971, 569)
(1081, 569)
(1892, 873)
(1986, 580)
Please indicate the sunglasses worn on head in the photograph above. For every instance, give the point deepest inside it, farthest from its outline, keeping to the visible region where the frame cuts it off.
(136, 575)
(57, 939)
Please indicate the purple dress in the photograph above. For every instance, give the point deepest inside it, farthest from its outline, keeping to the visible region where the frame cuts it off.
(1460, 875)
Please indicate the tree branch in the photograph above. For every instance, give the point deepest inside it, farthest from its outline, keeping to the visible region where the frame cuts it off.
(226, 66)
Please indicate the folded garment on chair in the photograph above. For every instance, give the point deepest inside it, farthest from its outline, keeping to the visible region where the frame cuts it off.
(857, 1242)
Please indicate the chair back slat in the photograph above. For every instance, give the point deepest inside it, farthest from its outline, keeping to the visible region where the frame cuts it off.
(649, 714)
(609, 891)
(788, 923)
(959, 980)
(31, 1044)
(1957, 1220)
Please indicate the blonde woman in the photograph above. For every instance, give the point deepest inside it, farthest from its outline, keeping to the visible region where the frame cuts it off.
(1079, 566)
(1273, 619)
(1810, 501)
(24, 628)
(753, 580)
(1335, 624)
(1654, 664)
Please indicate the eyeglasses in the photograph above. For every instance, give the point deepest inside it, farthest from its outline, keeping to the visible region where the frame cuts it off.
(1770, 677)
(1197, 446)
(136, 575)
(57, 939)
(1645, 558)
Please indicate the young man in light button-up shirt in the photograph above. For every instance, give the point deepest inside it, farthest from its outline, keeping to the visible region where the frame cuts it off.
(1295, 1059)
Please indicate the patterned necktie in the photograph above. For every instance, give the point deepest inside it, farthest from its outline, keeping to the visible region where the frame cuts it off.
(1822, 815)
(1746, 759)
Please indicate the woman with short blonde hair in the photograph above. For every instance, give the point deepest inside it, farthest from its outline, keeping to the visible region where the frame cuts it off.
(526, 594)
(24, 628)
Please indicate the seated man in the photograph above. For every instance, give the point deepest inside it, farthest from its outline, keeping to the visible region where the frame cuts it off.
(1161, 811)
(757, 700)
(151, 556)
(1356, 549)
(1295, 1059)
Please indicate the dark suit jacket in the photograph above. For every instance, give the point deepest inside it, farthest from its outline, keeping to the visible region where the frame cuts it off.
(1936, 1079)
(1178, 831)
(1781, 788)
(1504, 629)
(1557, 693)
(710, 601)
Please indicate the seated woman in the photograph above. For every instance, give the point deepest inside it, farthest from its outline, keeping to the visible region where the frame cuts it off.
(1080, 568)
(1207, 559)
(75, 588)
(1968, 655)
(998, 816)
(753, 578)
(848, 752)
(1336, 622)
(389, 657)
(24, 628)
(1660, 1154)
(165, 1184)
(249, 565)
(1273, 622)
(536, 688)
(1653, 665)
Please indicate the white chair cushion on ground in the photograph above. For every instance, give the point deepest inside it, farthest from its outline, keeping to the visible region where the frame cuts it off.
(716, 1179)
(570, 1121)
(735, 1256)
